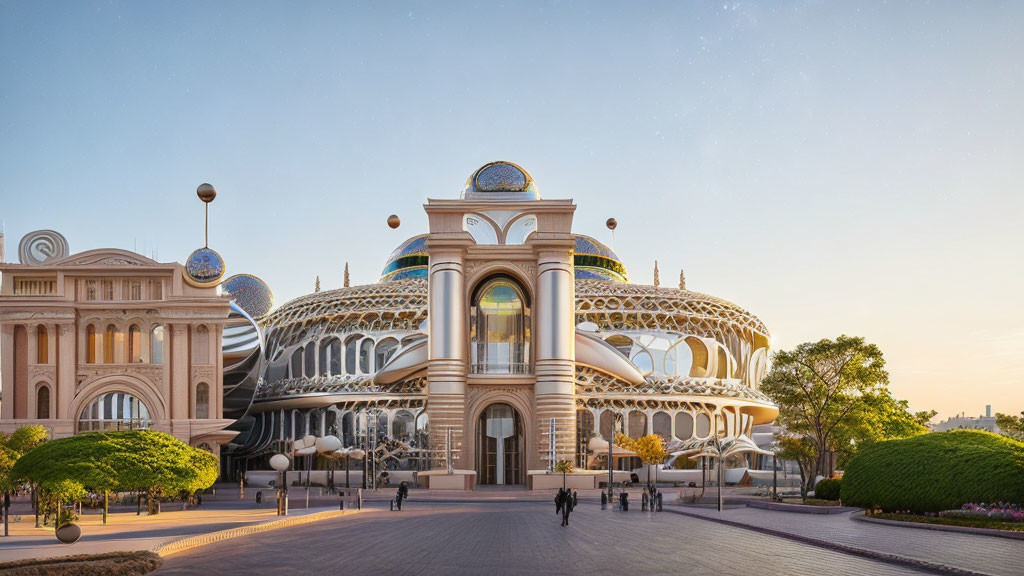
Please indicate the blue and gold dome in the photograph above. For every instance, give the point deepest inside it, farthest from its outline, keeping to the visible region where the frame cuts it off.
(593, 260)
(204, 268)
(407, 261)
(500, 181)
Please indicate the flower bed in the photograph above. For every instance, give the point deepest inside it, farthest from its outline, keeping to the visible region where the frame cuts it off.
(999, 516)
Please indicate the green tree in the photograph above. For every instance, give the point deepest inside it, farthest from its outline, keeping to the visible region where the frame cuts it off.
(137, 460)
(820, 388)
(12, 447)
(1011, 426)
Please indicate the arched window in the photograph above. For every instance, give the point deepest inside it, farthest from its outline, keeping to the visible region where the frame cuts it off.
(402, 427)
(385, 350)
(325, 357)
(114, 411)
(42, 345)
(499, 328)
(90, 337)
(350, 354)
(296, 365)
(202, 401)
(703, 425)
(662, 424)
(310, 361)
(201, 346)
(637, 424)
(156, 345)
(684, 425)
(365, 355)
(335, 366)
(608, 427)
(43, 403)
(134, 344)
(108, 344)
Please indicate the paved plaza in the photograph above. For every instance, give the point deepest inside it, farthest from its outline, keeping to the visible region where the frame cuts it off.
(518, 538)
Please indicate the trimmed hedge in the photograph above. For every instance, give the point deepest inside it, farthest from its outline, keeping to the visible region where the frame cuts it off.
(827, 489)
(935, 472)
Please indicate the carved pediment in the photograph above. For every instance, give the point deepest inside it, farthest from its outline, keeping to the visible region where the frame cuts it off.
(104, 257)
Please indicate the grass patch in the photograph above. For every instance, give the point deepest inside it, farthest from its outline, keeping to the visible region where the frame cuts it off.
(947, 521)
(109, 564)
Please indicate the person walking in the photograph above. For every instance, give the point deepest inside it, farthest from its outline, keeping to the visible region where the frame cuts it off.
(575, 501)
(559, 500)
(403, 493)
(566, 508)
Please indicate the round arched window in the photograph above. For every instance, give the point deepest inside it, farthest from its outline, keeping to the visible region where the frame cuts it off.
(500, 328)
(114, 411)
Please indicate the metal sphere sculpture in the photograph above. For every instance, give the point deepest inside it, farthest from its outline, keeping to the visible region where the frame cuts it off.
(611, 223)
(206, 192)
(394, 221)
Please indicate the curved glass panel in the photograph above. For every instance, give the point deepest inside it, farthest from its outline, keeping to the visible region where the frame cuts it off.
(499, 329)
(386, 348)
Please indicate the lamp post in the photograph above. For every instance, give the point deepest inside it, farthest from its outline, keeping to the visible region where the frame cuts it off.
(616, 420)
(721, 463)
(280, 462)
(775, 471)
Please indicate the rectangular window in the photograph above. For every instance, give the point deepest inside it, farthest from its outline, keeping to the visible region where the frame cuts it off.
(156, 290)
(135, 290)
(108, 289)
(90, 289)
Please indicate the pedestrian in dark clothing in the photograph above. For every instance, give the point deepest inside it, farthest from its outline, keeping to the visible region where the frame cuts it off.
(566, 508)
(574, 499)
(559, 500)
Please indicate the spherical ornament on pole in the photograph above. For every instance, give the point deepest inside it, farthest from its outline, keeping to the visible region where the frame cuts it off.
(280, 462)
(394, 221)
(206, 192)
(611, 223)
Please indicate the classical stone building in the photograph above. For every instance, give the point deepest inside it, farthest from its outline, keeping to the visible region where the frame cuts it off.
(109, 339)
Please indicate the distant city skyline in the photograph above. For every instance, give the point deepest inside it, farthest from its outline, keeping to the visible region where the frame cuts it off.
(833, 168)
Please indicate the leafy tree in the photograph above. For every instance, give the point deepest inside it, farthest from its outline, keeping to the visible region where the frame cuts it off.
(136, 460)
(820, 388)
(12, 447)
(650, 449)
(1011, 426)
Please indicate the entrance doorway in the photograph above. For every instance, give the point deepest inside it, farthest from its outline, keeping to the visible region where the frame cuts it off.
(499, 446)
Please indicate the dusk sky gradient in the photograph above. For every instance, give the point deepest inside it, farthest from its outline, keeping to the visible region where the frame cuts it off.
(834, 168)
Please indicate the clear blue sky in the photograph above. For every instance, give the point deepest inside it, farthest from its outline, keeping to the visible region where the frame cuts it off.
(835, 168)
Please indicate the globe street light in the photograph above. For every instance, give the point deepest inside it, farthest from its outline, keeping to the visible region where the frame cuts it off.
(280, 462)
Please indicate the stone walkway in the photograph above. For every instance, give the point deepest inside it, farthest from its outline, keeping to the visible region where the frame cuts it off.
(984, 554)
(518, 538)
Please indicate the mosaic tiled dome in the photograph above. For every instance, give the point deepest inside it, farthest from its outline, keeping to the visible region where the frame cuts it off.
(409, 260)
(595, 261)
(204, 267)
(250, 293)
(500, 181)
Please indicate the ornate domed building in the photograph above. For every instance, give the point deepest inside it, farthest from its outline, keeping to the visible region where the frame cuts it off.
(498, 342)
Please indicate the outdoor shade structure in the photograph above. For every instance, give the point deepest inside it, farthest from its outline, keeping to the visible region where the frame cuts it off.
(719, 448)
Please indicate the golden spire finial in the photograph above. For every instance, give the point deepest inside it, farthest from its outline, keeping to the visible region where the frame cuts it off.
(682, 280)
(346, 275)
(316, 287)
(657, 279)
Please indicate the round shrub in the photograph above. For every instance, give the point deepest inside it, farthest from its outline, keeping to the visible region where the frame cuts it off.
(935, 472)
(827, 489)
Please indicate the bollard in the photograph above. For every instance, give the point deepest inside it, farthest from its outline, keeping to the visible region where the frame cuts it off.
(604, 500)
(392, 504)
(659, 502)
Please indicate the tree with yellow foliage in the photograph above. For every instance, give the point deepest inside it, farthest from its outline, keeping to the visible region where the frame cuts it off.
(650, 449)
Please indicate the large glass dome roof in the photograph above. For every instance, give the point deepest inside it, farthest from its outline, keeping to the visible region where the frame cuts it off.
(409, 260)
(500, 181)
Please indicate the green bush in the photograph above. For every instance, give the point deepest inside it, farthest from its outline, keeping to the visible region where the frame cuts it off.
(935, 472)
(827, 489)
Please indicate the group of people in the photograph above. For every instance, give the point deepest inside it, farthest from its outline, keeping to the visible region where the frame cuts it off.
(565, 501)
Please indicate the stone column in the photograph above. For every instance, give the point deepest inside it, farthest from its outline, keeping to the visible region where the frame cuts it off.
(446, 369)
(65, 369)
(178, 366)
(554, 393)
(7, 370)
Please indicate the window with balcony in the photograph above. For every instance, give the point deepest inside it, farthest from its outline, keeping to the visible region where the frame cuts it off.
(499, 328)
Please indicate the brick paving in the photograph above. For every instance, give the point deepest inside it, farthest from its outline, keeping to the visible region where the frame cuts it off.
(976, 553)
(518, 538)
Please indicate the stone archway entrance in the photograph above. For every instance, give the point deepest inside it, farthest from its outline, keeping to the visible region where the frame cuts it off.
(499, 446)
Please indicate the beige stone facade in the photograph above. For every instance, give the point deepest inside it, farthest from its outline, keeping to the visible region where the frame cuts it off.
(110, 339)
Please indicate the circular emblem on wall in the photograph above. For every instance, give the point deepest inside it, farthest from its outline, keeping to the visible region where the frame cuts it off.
(42, 246)
(250, 293)
(204, 268)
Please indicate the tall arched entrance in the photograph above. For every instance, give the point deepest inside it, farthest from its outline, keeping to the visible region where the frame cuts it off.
(499, 446)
